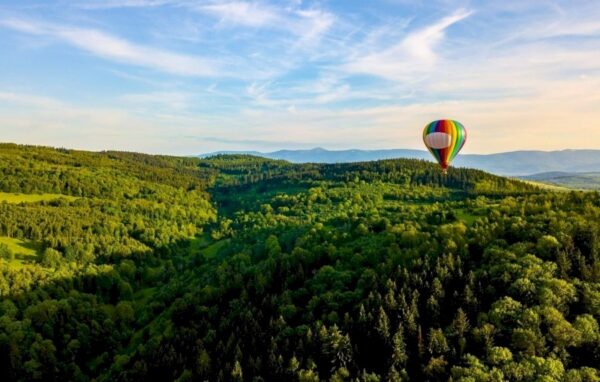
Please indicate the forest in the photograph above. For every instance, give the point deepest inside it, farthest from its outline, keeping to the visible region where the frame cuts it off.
(120, 266)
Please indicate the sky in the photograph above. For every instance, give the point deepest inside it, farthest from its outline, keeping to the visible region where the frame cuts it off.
(188, 77)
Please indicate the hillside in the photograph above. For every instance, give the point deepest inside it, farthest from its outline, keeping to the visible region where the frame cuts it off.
(131, 267)
(509, 163)
(573, 180)
(85, 208)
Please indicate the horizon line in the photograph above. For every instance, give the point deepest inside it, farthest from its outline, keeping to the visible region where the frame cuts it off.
(242, 151)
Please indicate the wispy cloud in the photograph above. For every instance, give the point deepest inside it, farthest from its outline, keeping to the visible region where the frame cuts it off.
(414, 54)
(308, 24)
(117, 49)
(241, 13)
(312, 24)
(109, 4)
(421, 43)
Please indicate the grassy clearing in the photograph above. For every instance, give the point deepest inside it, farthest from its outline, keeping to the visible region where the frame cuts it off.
(10, 197)
(546, 186)
(574, 181)
(466, 217)
(212, 250)
(25, 251)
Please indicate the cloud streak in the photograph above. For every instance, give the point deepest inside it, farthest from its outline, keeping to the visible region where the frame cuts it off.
(309, 25)
(413, 55)
(241, 13)
(117, 49)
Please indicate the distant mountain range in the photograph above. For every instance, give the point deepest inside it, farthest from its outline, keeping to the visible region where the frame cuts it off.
(584, 181)
(514, 163)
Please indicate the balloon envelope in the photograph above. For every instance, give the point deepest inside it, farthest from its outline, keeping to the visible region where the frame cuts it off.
(444, 138)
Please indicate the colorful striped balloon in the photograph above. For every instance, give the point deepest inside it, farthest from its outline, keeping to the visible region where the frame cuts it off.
(444, 138)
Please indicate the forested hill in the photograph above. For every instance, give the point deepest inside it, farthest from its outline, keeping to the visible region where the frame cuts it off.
(245, 169)
(515, 163)
(83, 173)
(130, 267)
(81, 208)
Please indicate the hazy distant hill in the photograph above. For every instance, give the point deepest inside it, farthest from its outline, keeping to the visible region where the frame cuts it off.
(533, 162)
(508, 163)
(587, 180)
(321, 155)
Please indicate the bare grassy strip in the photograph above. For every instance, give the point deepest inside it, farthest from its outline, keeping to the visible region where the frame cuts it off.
(16, 198)
(24, 251)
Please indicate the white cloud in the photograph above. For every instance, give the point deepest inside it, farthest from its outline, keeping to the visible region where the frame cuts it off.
(307, 24)
(336, 94)
(117, 49)
(421, 44)
(241, 13)
(414, 55)
(313, 24)
(109, 4)
(258, 93)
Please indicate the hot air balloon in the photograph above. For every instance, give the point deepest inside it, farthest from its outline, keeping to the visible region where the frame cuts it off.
(444, 138)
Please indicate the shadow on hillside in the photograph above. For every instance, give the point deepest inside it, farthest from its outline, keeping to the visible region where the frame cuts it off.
(86, 324)
(76, 325)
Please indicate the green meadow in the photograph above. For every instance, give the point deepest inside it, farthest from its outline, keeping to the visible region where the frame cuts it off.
(24, 251)
(16, 198)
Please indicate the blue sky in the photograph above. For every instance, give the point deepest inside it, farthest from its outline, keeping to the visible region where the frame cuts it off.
(185, 77)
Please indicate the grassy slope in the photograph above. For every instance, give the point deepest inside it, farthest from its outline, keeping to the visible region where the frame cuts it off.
(578, 181)
(546, 186)
(25, 250)
(10, 197)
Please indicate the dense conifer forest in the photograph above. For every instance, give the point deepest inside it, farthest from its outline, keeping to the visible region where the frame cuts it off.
(130, 267)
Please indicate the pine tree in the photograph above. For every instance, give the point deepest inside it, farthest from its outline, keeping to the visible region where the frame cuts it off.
(399, 355)
(438, 345)
(236, 372)
(383, 324)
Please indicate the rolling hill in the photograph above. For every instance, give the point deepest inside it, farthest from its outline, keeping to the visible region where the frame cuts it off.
(130, 267)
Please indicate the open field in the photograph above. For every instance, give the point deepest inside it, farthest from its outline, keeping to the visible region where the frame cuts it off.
(546, 186)
(10, 197)
(577, 181)
(24, 250)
